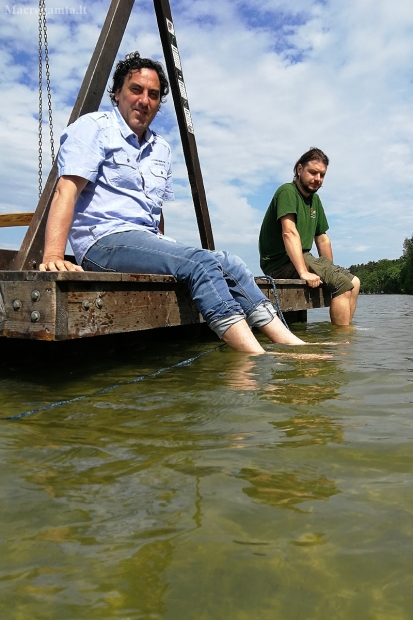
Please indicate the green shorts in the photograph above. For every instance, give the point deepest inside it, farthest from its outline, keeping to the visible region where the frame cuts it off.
(336, 280)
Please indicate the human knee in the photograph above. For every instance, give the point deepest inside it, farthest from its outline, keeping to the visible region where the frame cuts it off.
(230, 262)
(356, 283)
(201, 261)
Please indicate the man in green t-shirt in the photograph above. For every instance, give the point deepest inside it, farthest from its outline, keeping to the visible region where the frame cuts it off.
(293, 221)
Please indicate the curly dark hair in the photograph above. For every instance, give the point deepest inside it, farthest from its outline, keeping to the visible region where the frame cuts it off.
(313, 154)
(134, 62)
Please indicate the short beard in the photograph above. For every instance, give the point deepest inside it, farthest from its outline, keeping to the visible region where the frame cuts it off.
(306, 188)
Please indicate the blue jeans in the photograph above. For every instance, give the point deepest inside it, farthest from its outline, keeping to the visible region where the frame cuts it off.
(220, 283)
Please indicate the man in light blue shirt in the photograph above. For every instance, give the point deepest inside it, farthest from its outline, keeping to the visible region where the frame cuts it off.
(115, 174)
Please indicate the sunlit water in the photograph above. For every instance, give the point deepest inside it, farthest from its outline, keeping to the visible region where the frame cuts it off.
(233, 488)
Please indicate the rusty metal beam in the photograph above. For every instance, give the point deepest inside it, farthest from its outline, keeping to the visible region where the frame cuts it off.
(180, 97)
(88, 100)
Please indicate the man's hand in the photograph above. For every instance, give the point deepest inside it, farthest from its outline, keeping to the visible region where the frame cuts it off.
(59, 222)
(57, 263)
(312, 279)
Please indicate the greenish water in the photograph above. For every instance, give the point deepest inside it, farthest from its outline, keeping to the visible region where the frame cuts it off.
(234, 488)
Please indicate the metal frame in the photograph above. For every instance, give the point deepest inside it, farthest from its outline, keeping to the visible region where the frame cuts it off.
(184, 118)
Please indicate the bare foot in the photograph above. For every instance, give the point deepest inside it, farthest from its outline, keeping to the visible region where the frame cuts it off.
(304, 356)
(330, 344)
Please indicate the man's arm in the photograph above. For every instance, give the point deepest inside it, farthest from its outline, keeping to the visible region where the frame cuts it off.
(59, 222)
(292, 242)
(323, 245)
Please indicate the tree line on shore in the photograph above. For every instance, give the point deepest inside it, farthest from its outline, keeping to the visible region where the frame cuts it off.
(387, 276)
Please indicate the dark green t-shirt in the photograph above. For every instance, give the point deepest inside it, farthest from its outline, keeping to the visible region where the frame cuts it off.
(310, 221)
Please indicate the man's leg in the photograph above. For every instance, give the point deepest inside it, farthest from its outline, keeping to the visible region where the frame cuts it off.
(257, 307)
(240, 338)
(340, 313)
(144, 252)
(354, 295)
(276, 331)
(344, 287)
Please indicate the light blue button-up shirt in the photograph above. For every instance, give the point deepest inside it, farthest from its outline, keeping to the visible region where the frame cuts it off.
(128, 181)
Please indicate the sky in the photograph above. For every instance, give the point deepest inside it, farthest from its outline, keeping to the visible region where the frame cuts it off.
(266, 80)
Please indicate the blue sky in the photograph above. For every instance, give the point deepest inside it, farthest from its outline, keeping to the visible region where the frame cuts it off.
(266, 79)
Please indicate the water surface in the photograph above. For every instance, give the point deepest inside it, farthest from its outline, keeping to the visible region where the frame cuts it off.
(233, 488)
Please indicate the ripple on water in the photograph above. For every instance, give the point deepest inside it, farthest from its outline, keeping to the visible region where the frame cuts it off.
(235, 487)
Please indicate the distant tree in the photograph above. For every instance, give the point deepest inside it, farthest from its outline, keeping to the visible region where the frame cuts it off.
(406, 275)
(387, 276)
(382, 276)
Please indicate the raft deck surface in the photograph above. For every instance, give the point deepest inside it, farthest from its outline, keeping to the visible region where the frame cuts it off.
(67, 305)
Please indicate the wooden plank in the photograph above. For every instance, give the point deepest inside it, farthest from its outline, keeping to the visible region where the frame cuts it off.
(295, 295)
(67, 305)
(24, 315)
(15, 219)
(183, 114)
(66, 308)
(88, 100)
(83, 276)
(125, 309)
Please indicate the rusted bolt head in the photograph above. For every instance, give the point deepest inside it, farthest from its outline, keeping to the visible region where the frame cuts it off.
(99, 303)
(85, 304)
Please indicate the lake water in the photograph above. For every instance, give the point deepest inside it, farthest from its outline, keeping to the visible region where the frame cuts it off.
(233, 488)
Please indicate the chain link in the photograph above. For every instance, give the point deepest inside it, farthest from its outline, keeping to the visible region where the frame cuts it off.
(43, 37)
(40, 99)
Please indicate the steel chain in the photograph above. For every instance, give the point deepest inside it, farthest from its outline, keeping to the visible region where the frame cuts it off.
(43, 37)
(40, 99)
(49, 92)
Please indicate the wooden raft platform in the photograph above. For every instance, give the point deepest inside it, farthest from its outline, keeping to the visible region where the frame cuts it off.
(59, 306)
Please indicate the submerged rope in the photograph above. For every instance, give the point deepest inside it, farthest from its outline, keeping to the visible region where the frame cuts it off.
(276, 303)
(187, 362)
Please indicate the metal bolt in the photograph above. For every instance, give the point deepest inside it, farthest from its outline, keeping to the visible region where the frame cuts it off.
(17, 304)
(85, 304)
(35, 295)
(35, 316)
(99, 303)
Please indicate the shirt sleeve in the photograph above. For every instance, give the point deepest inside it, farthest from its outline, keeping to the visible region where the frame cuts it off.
(286, 202)
(81, 150)
(322, 224)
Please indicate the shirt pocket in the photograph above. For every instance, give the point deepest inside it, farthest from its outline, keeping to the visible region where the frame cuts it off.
(123, 171)
(158, 177)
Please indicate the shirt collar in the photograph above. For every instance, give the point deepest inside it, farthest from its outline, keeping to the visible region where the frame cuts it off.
(126, 131)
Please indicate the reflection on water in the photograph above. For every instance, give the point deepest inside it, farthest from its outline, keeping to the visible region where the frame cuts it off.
(181, 496)
(286, 490)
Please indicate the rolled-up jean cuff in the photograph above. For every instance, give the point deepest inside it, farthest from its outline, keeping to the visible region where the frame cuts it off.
(262, 315)
(220, 326)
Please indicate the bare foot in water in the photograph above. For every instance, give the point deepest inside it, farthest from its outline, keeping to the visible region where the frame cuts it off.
(304, 356)
(330, 344)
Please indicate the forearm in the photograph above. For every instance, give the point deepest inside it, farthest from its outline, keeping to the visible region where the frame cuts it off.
(57, 229)
(294, 250)
(323, 245)
(59, 223)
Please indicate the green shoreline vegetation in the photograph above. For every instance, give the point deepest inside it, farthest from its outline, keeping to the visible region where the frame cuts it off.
(387, 276)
